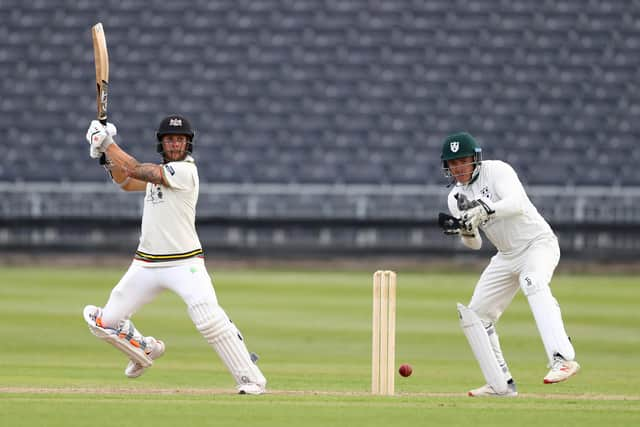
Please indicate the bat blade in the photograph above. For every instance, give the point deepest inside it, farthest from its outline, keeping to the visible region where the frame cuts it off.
(101, 57)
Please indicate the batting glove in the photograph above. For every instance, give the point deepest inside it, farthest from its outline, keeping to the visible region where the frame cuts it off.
(100, 137)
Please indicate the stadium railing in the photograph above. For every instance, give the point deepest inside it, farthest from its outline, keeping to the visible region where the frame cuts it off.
(597, 222)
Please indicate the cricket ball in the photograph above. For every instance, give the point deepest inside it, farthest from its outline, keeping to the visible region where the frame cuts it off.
(405, 370)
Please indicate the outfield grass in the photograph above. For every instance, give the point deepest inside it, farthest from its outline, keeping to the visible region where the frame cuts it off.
(312, 330)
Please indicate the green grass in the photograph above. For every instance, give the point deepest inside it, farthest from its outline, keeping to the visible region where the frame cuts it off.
(312, 330)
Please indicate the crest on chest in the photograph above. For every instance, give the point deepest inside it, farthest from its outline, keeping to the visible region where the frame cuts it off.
(484, 192)
(155, 194)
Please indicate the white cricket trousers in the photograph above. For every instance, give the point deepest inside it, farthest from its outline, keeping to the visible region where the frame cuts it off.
(530, 270)
(141, 284)
(190, 280)
(505, 274)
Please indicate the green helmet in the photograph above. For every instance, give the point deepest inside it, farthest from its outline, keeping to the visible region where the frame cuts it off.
(457, 146)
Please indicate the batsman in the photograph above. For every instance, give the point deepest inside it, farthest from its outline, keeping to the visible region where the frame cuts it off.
(487, 196)
(169, 256)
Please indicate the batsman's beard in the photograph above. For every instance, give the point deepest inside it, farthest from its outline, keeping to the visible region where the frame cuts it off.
(174, 155)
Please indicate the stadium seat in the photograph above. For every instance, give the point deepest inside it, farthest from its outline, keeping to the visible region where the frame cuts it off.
(342, 76)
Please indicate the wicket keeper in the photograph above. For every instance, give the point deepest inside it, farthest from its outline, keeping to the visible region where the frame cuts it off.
(487, 196)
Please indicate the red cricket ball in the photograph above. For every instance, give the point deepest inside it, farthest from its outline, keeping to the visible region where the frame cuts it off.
(405, 370)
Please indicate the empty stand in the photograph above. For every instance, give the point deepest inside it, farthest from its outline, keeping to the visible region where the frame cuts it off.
(329, 92)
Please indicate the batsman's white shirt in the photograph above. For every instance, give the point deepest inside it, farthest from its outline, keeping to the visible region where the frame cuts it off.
(168, 235)
(516, 222)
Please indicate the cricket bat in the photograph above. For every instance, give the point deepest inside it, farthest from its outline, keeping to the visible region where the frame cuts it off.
(101, 58)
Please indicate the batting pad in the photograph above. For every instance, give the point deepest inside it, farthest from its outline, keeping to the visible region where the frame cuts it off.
(483, 351)
(111, 336)
(216, 327)
(546, 312)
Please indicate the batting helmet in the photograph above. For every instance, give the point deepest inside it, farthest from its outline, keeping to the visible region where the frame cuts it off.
(175, 125)
(457, 146)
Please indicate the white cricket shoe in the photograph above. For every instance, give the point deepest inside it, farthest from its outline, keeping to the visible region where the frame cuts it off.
(154, 350)
(488, 391)
(561, 370)
(251, 388)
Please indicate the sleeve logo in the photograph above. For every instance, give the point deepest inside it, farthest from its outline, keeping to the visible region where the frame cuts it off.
(170, 169)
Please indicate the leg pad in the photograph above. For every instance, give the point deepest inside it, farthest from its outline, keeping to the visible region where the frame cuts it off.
(129, 346)
(221, 334)
(480, 344)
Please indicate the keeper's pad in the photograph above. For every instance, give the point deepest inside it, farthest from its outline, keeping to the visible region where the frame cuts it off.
(126, 338)
(497, 350)
(481, 346)
(546, 312)
(216, 327)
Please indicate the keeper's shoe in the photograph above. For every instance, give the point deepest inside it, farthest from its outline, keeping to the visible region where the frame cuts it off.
(561, 370)
(154, 350)
(488, 391)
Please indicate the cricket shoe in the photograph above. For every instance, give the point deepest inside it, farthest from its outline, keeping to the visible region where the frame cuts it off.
(155, 348)
(561, 369)
(251, 388)
(488, 391)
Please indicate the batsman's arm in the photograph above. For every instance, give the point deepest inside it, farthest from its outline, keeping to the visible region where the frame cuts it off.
(119, 176)
(125, 166)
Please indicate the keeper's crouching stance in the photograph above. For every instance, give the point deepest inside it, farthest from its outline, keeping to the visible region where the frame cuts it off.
(169, 256)
(488, 196)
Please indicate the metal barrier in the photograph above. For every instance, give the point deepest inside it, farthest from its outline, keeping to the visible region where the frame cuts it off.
(597, 222)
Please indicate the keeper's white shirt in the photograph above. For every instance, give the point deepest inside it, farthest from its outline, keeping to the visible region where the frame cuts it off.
(516, 222)
(168, 236)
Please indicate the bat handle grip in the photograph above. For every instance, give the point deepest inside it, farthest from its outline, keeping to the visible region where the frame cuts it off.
(103, 158)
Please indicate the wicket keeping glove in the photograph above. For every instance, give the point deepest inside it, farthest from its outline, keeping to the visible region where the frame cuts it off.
(449, 224)
(100, 137)
(464, 203)
(474, 217)
(452, 226)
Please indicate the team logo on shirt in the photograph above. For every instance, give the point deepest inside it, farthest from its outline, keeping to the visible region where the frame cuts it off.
(170, 169)
(454, 146)
(485, 192)
(155, 195)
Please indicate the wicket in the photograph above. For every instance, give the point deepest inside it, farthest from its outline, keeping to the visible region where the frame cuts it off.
(384, 333)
